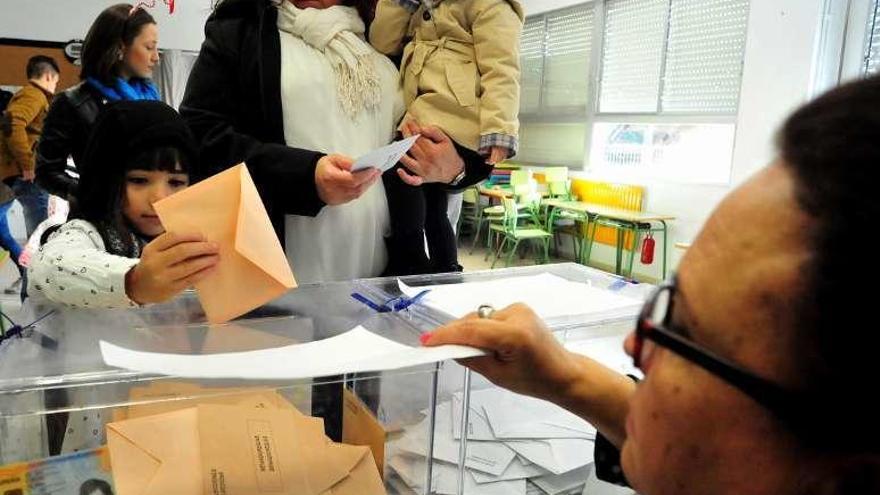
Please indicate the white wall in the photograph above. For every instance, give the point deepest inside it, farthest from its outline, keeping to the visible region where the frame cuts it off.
(63, 20)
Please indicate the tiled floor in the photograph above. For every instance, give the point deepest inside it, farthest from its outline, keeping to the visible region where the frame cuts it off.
(477, 261)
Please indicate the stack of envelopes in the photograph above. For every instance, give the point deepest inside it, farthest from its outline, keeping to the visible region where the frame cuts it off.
(517, 445)
(256, 446)
(513, 441)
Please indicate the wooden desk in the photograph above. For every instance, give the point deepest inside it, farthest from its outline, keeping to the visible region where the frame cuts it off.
(499, 193)
(623, 220)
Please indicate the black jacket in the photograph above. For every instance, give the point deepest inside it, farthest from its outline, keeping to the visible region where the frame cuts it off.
(233, 106)
(66, 131)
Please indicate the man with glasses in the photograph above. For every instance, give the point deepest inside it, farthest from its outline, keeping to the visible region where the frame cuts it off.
(758, 355)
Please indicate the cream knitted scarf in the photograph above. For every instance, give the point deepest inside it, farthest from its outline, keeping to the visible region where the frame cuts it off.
(337, 32)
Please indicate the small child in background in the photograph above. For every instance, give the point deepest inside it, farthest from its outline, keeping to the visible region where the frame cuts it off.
(460, 73)
(114, 252)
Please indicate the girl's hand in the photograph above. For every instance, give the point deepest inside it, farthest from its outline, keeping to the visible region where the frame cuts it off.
(169, 264)
(497, 155)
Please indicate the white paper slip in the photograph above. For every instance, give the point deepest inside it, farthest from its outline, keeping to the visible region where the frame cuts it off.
(607, 351)
(517, 470)
(514, 416)
(488, 457)
(478, 425)
(449, 486)
(355, 351)
(555, 484)
(548, 295)
(556, 455)
(385, 157)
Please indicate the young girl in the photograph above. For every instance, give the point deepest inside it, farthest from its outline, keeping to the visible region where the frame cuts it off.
(114, 251)
(460, 73)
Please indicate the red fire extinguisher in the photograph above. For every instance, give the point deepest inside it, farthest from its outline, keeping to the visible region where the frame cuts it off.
(648, 249)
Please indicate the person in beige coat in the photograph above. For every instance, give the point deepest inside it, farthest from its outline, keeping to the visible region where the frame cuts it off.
(460, 73)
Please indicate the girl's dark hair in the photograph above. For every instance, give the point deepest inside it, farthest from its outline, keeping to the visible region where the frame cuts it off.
(129, 135)
(113, 28)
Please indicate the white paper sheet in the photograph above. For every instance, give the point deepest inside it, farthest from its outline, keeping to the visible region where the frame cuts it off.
(517, 470)
(514, 416)
(556, 455)
(445, 478)
(449, 486)
(385, 157)
(488, 457)
(478, 425)
(548, 295)
(355, 351)
(555, 484)
(607, 351)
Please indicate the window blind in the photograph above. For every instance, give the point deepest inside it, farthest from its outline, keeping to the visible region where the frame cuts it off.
(704, 58)
(635, 35)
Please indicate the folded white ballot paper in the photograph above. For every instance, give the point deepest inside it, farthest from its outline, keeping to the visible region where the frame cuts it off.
(385, 157)
(355, 351)
(488, 457)
(548, 295)
(503, 415)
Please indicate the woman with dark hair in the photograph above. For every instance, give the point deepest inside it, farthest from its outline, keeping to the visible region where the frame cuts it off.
(279, 84)
(119, 53)
(114, 251)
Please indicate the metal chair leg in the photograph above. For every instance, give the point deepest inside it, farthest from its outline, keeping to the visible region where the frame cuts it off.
(497, 253)
(476, 236)
(512, 252)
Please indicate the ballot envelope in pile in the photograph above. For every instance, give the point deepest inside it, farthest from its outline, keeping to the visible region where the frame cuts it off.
(259, 445)
(517, 445)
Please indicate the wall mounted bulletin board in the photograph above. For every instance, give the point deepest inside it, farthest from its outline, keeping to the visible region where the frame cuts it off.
(14, 54)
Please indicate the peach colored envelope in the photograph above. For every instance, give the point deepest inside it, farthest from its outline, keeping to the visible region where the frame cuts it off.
(233, 450)
(227, 209)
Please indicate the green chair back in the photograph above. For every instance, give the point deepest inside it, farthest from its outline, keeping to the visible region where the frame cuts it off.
(519, 177)
(555, 174)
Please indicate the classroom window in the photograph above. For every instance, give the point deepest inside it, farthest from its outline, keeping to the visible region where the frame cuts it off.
(639, 79)
(670, 83)
(555, 55)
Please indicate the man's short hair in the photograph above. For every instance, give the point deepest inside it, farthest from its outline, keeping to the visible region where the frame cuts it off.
(41, 64)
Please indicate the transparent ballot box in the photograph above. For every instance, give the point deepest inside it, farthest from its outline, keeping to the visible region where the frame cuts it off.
(515, 444)
(69, 423)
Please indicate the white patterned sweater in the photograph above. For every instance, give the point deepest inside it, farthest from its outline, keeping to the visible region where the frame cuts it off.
(73, 267)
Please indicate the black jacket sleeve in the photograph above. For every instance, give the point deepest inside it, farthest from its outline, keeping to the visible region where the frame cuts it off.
(475, 168)
(224, 115)
(55, 145)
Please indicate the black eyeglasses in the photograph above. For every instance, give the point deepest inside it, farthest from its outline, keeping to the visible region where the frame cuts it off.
(655, 325)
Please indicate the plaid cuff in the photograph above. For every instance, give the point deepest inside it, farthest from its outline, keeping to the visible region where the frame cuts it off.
(410, 5)
(487, 141)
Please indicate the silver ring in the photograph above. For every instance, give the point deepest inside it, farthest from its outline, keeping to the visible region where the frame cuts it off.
(485, 311)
